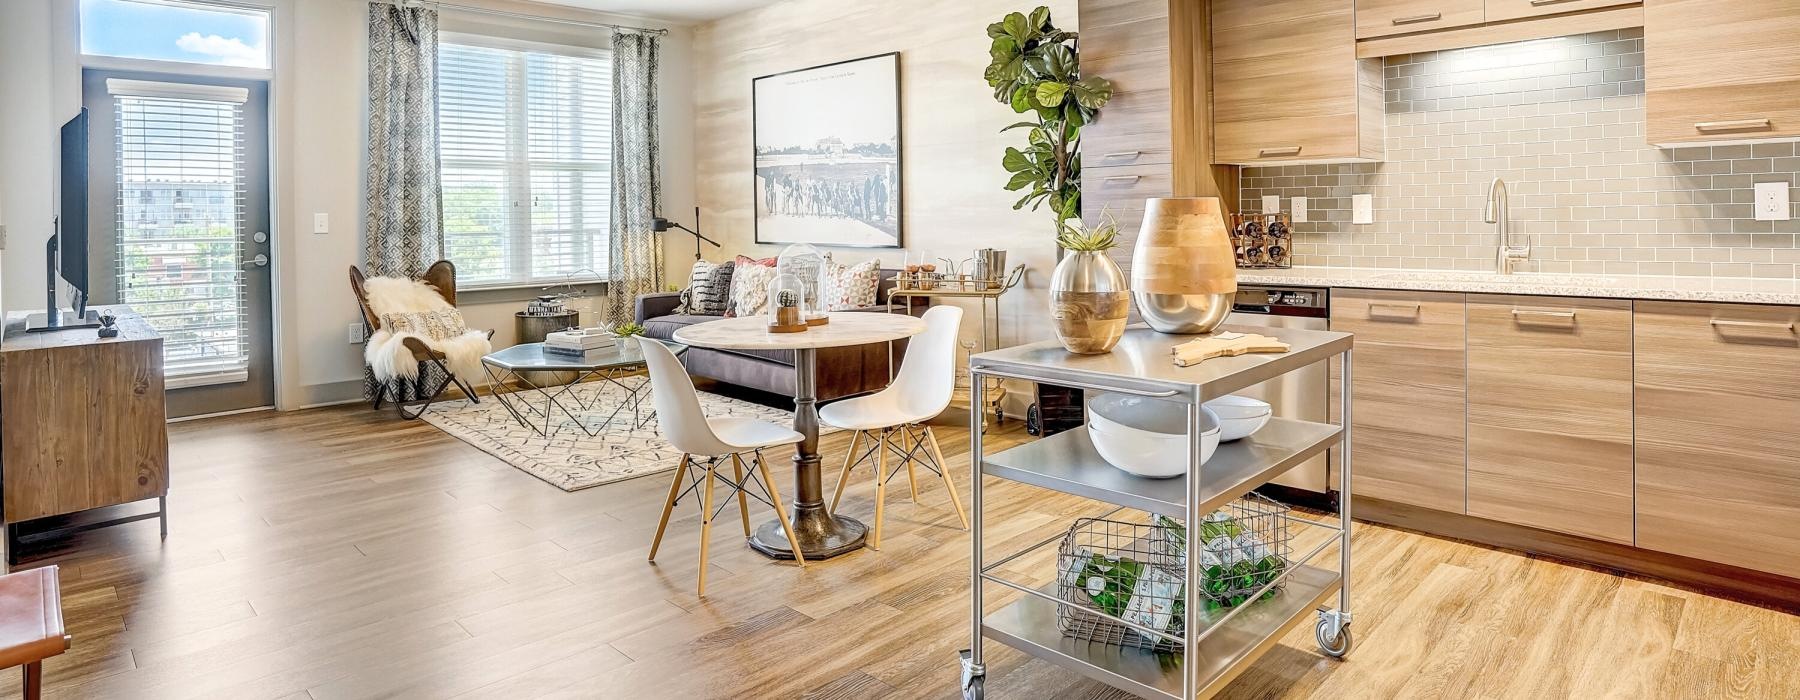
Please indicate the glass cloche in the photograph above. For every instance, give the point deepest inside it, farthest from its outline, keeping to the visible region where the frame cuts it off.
(806, 265)
(787, 305)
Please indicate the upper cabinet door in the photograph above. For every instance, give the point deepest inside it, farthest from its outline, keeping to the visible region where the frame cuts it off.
(1721, 70)
(1287, 85)
(1502, 10)
(1388, 17)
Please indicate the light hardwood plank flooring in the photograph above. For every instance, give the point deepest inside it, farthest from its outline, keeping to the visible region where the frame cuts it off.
(340, 553)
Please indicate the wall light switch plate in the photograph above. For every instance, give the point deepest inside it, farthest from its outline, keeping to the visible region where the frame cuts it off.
(1271, 203)
(356, 333)
(1771, 201)
(1297, 207)
(1362, 208)
(321, 223)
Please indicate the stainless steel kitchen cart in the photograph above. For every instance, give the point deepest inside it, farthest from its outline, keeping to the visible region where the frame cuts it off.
(1218, 645)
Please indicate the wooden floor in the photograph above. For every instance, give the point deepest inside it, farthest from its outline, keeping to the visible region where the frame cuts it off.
(338, 553)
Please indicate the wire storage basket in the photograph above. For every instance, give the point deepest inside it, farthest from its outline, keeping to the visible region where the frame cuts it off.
(1135, 571)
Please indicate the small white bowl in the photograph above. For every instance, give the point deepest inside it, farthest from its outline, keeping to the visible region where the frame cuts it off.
(1239, 416)
(1146, 437)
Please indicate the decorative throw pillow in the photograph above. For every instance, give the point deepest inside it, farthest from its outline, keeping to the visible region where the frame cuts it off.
(441, 324)
(850, 286)
(750, 285)
(709, 289)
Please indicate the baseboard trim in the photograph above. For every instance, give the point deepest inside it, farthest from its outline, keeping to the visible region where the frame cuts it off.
(1722, 580)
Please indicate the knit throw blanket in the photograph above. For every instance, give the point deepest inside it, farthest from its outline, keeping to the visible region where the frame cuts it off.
(412, 309)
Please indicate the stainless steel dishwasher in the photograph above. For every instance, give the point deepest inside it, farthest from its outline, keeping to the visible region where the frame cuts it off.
(1303, 393)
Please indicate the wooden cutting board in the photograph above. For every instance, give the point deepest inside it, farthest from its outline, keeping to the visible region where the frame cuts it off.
(1224, 344)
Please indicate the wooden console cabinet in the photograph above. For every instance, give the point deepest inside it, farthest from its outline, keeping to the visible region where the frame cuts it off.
(83, 423)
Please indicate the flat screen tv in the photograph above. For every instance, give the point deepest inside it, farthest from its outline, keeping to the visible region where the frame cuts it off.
(66, 253)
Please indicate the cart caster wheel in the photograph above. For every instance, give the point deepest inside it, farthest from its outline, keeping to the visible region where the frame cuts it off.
(973, 691)
(1333, 647)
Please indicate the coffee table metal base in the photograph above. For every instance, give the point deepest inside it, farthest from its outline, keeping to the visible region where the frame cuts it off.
(821, 535)
(513, 400)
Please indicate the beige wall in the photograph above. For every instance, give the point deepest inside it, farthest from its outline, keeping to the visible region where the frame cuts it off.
(951, 140)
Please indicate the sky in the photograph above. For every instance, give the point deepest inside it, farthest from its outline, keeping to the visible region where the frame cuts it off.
(168, 30)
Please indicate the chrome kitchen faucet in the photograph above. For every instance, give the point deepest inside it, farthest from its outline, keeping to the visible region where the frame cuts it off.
(1508, 254)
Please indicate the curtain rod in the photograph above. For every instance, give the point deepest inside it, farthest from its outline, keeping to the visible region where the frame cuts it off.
(521, 15)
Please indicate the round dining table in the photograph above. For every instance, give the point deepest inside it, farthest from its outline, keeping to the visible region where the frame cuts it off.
(821, 535)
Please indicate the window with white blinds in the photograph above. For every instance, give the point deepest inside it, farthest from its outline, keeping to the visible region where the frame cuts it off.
(180, 225)
(525, 142)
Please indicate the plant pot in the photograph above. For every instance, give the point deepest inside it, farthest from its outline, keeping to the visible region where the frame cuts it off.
(1089, 302)
(1183, 271)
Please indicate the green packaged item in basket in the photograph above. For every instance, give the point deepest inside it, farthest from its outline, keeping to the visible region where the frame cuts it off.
(1109, 582)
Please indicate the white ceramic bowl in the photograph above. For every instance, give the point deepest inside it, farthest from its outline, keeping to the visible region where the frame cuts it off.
(1239, 416)
(1146, 437)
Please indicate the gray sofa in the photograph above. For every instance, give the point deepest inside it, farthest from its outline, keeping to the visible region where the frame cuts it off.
(842, 372)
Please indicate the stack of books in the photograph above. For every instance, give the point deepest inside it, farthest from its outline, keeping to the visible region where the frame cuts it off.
(579, 342)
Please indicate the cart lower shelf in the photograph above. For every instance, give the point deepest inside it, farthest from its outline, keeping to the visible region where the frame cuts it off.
(1030, 626)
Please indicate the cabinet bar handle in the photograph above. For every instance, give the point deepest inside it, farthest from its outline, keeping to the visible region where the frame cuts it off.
(1124, 178)
(1419, 18)
(1541, 312)
(1122, 154)
(1282, 151)
(1541, 3)
(1772, 325)
(1410, 308)
(1733, 125)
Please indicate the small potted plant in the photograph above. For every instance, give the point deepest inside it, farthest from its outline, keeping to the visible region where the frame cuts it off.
(628, 333)
(1089, 297)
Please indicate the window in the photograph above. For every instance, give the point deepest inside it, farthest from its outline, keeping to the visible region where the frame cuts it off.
(180, 202)
(186, 31)
(526, 150)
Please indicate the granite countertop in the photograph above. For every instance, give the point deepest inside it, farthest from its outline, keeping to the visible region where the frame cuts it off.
(1744, 290)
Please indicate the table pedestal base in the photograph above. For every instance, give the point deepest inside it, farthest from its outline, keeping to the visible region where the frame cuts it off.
(821, 535)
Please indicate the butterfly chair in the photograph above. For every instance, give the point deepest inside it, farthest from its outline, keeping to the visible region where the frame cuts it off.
(441, 276)
(707, 445)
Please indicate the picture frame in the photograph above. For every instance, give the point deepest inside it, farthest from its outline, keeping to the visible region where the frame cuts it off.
(827, 155)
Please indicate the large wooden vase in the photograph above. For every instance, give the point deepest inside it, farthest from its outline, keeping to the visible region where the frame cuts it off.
(1089, 302)
(1183, 273)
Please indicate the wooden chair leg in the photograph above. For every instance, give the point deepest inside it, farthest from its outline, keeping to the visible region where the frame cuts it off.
(944, 470)
(706, 511)
(780, 511)
(737, 471)
(34, 680)
(912, 476)
(669, 505)
(881, 448)
(844, 475)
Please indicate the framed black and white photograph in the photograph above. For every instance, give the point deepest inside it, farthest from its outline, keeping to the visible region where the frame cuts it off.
(828, 154)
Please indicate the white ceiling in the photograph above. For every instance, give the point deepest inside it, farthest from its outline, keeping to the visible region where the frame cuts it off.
(669, 10)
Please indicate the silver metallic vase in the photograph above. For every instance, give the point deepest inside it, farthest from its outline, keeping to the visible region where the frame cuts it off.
(1183, 272)
(1182, 314)
(1088, 302)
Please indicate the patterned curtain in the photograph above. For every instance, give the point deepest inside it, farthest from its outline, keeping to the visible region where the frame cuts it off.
(635, 256)
(404, 232)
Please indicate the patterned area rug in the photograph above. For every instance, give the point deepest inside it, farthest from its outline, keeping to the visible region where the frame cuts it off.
(569, 459)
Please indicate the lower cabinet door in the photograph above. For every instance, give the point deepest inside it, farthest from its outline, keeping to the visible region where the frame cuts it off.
(1408, 394)
(1550, 413)
(1718, 433)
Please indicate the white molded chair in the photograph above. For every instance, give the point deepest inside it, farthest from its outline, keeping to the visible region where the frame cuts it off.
(706, 445)
(895, 416)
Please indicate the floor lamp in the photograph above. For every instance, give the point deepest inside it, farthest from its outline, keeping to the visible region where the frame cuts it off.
(661, 225)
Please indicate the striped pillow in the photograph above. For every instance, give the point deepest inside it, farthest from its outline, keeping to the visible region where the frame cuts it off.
(709, 290)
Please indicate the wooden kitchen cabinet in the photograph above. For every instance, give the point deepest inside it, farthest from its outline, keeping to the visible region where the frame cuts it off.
(1549, 413)
(1718, 433)
(1287, 85)
(1387, 17)
(1502, 10)
(1409, 394)
(1721, 70)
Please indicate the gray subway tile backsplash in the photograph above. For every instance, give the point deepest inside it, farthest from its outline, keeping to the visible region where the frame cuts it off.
(1562, 120)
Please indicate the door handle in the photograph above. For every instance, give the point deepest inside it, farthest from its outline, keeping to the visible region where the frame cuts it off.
(1418, 18)
(1769, 325)
(1410, 309)
(1282, 151)
(1733, 125)
(1124, 178)
(1541, 3)
(261, 260)
(1542, 313)
(1121, 154)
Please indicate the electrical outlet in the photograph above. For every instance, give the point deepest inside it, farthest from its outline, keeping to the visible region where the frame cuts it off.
(1271, 203)
(1771, 201)
(1362, 209)
(356, 333)
(321, 223)
(1297, 207)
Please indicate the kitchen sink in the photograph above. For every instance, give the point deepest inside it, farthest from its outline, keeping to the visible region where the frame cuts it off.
(1524, 279)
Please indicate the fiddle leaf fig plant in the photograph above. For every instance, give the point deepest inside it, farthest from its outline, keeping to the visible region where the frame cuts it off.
(1036, 70)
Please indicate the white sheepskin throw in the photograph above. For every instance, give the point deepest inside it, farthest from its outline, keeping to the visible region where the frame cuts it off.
(413, 309)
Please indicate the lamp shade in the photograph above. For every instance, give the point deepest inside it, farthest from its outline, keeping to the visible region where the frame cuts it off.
(1184, 247)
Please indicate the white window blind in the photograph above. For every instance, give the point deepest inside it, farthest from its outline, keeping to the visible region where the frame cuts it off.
(180, 213)
(525, 141)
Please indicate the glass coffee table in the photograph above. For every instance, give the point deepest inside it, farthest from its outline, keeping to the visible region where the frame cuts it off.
(510, 374)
